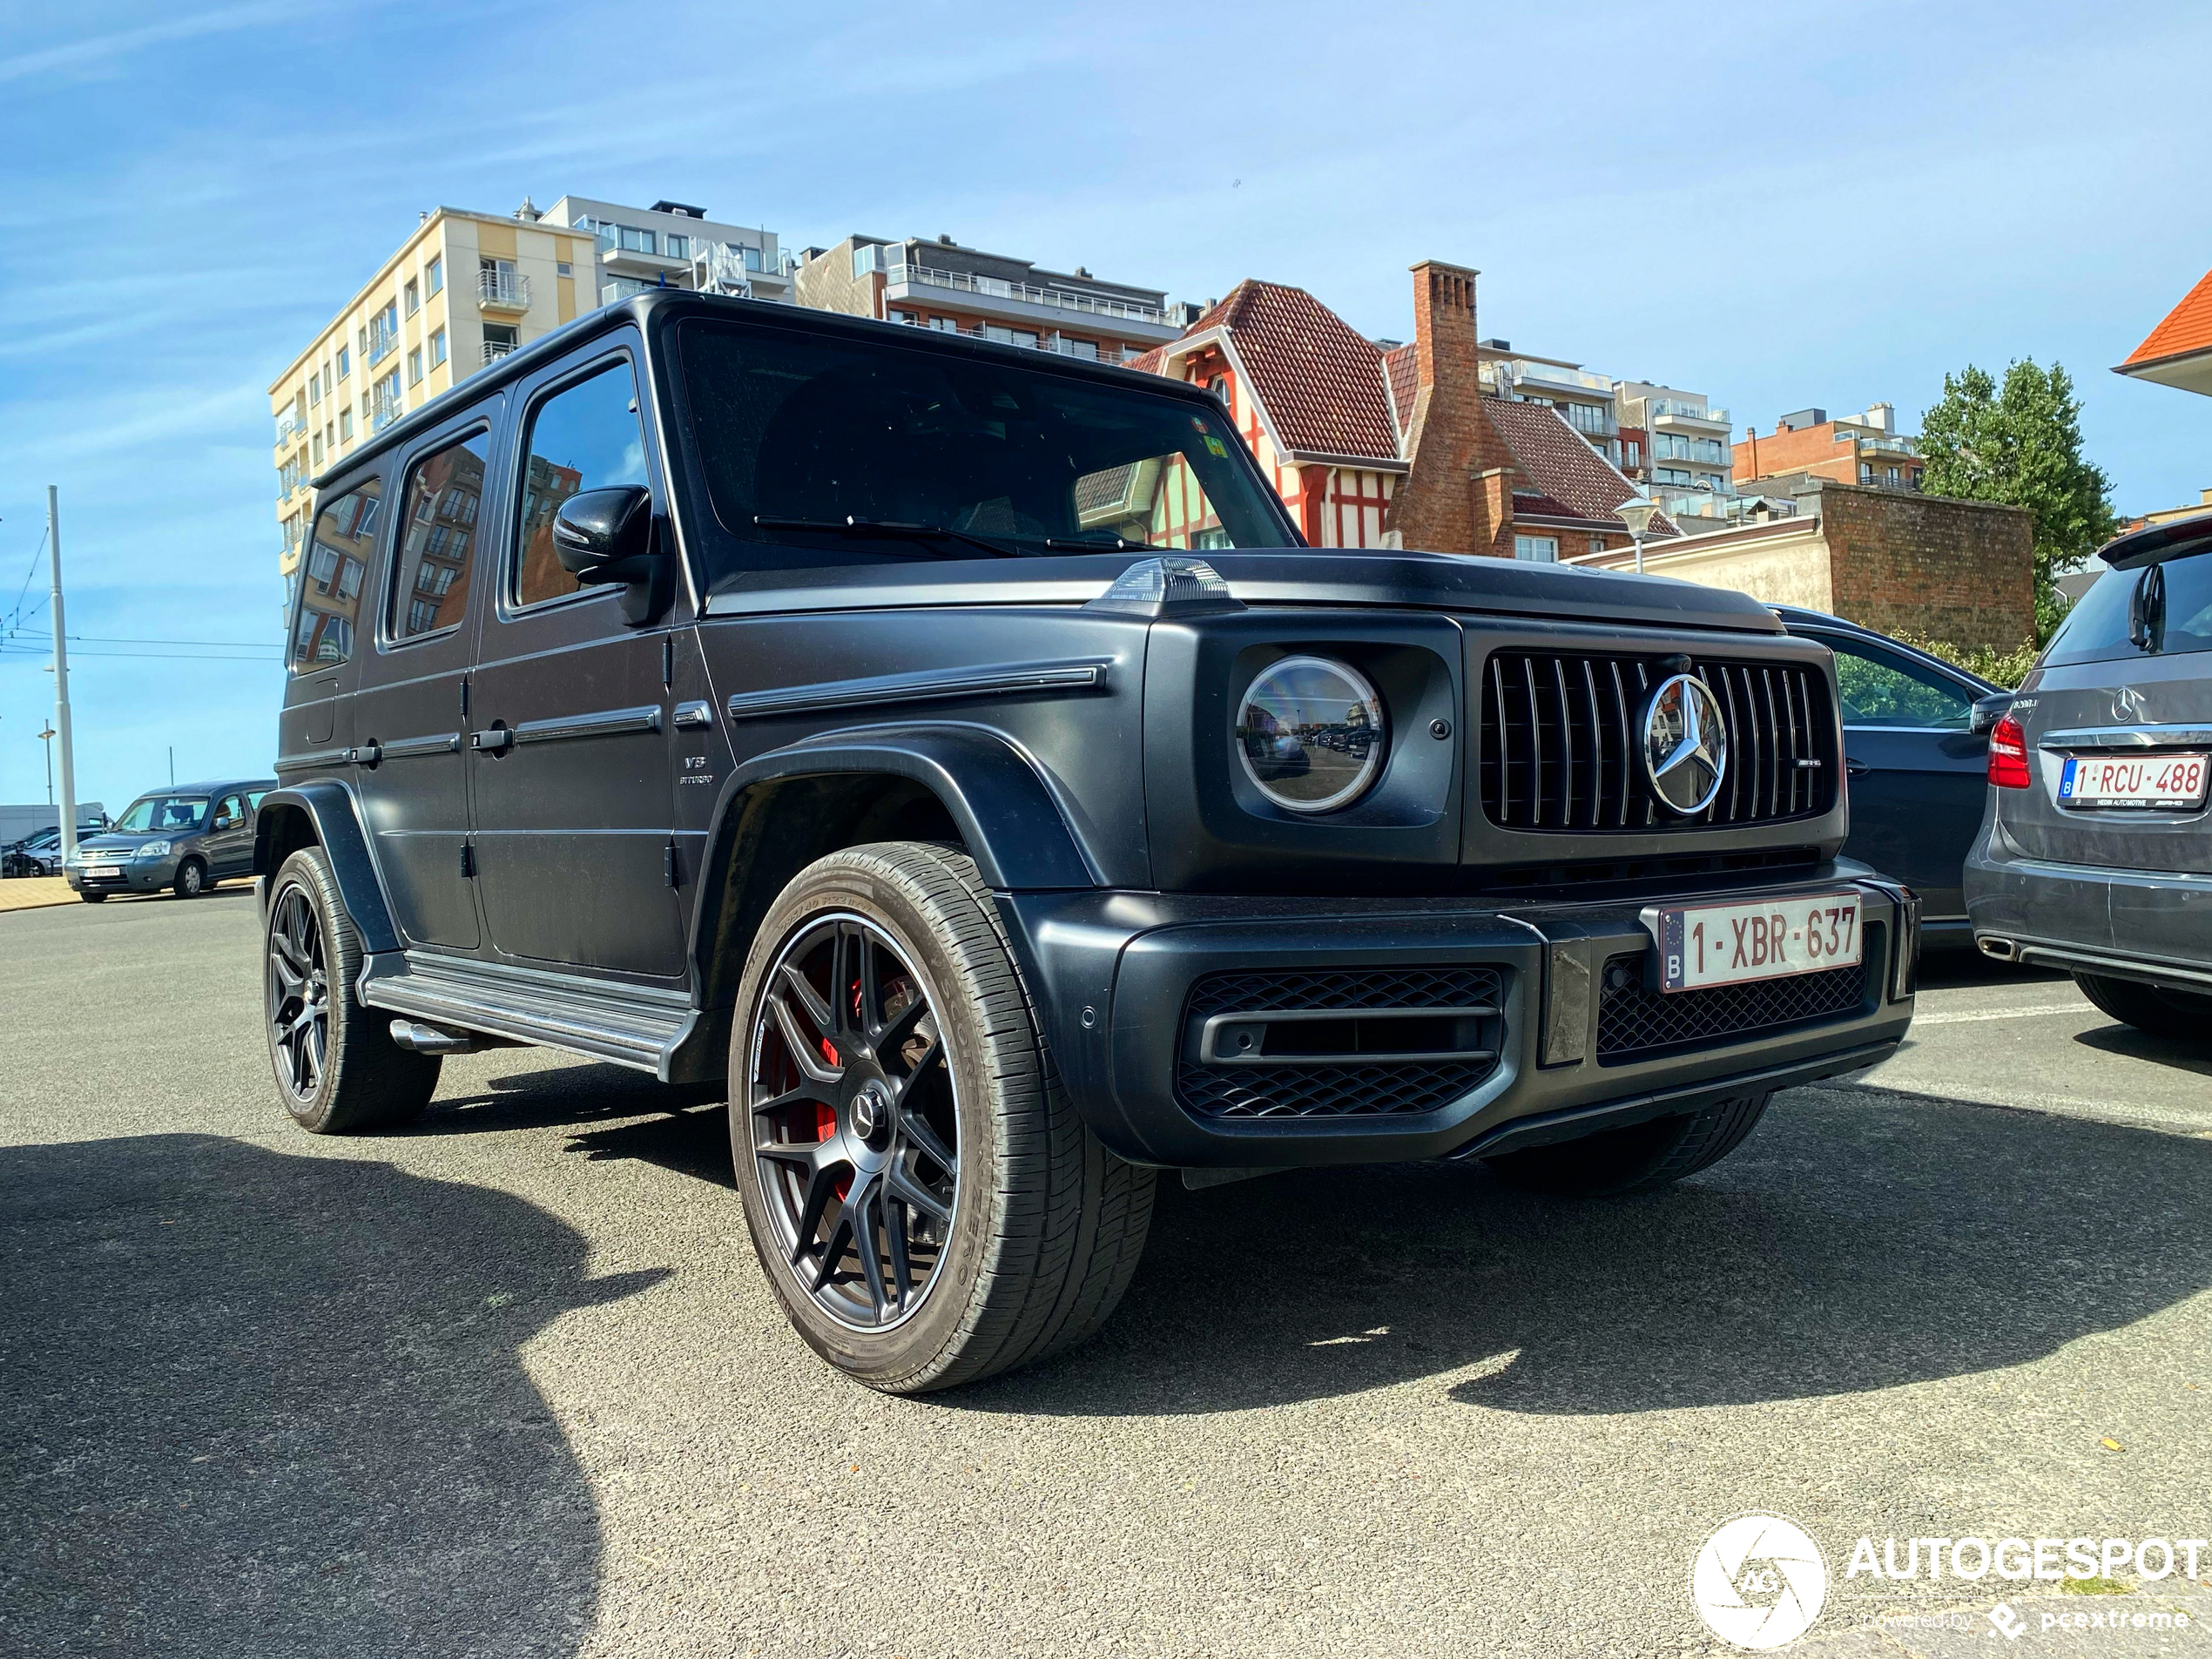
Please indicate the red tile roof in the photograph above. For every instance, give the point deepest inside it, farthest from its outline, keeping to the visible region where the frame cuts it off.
(1148, 362)
(1404, 373)
(1571, 479)
(2187, 330)
(1320, 381)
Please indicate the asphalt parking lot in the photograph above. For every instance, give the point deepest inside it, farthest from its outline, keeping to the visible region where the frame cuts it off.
(509, 1383)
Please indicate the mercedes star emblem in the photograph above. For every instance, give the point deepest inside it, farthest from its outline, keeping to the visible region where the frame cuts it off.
(1685, 745)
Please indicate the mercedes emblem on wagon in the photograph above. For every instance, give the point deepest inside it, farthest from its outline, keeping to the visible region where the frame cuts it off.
(1685, 745)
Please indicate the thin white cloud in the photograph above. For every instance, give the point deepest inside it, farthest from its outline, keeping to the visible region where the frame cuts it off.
(97, 48)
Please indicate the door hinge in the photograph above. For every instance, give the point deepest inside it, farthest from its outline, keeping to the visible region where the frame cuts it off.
(675, 874)
(467, 861)
(464, 696)
(667, 661)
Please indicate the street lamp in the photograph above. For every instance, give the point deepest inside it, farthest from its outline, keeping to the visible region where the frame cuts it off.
(1637, 513)
(47, 738)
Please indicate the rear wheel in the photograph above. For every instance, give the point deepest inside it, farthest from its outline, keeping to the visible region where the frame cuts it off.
(1641, 1158)
(2149, 1007)
(927, 1203)
(336, 1064)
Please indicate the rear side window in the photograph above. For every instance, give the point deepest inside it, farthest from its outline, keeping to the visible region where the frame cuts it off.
(2172, 602)
(1880, 690)
(331, 578)
(587, 435)
(437, 540)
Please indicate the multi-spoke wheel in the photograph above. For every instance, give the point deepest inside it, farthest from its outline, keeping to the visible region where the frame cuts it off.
(336, 1064)
(855, 1121)
(927, 1205)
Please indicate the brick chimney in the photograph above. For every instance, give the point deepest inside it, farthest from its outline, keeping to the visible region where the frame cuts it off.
(1458, 495)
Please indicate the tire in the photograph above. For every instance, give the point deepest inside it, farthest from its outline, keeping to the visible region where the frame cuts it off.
(1641, 1158)
(2149, 1007)
(191, 879)
(998, 1230)
(93, 898)
(336, 1065)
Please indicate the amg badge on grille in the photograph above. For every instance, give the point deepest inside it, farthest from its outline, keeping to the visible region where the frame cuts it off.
(1685, 745)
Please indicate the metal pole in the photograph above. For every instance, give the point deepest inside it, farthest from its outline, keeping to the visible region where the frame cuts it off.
(1638, 539)
(61, 680)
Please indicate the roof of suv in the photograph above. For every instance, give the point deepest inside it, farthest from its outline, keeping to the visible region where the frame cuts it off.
(657, 303)
(2154, 543)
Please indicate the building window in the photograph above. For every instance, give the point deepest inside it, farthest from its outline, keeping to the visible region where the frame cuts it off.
(1130, 354)
(414, 296)
(437, 348)
(563, 268)
(1536, 549)
(752, 258)
(1597, 544)
(317, 447)
(1026, 337)
(631, 239)
(434, 276)
(1086, 349)
(867, 257)
(945, 325)
(345, 363)
(679, 247)
(1635, 453)
(911, 319)
(1866, 472)
(414, 367)
(344, 426)
(1587, 417)
(315, 388)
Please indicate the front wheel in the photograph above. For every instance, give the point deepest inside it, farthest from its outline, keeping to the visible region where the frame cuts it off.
(336, 1064)
(2149, 1007)
(93, 898)
(1641, 1158)
(191, 879)
(927, 1203)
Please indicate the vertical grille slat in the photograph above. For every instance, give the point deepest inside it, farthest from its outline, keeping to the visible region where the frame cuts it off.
(1560, 749)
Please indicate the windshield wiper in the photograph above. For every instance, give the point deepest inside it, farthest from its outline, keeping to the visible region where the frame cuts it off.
(1102, 545)
(888, 526)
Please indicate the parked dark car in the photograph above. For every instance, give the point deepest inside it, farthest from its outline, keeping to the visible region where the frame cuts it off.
(39, 854)
(1918, 760)
(2095, 854)
(932, 738)
(185, 838)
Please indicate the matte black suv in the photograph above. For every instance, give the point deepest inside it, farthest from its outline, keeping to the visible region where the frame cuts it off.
(955, 747)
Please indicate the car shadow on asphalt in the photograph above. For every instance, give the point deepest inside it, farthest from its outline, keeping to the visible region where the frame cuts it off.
(2180, 1054)
(260, 1403)
(1858, 1242)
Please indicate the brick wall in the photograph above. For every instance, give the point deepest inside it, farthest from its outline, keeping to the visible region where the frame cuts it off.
(1956, 570)
(1441, 507)
(1810, 449)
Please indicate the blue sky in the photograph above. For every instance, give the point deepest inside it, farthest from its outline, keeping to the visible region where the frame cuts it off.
(1778, 205)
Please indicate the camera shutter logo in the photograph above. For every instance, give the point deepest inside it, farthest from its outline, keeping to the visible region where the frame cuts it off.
(1685, 745)
(1759, 1581)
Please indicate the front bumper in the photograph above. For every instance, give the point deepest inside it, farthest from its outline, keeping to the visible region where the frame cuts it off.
(1118, 977)
(147, 875)
(2131, 924)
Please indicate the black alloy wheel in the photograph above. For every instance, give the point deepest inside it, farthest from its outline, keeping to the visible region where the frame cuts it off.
(855, 1125)
(299, 994)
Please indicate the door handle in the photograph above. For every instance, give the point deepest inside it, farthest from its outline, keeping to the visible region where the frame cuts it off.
(1854, 768)
(491, 742)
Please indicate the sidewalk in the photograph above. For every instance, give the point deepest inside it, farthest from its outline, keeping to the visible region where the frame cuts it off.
(30, 892)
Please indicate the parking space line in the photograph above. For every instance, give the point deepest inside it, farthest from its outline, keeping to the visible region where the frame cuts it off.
(1963, 1015)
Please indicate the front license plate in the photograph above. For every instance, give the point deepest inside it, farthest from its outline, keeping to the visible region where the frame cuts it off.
(2148, 782)
(103, 872)
(1732, 944)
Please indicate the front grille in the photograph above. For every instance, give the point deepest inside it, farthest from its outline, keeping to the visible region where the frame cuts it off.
(1379, 1089)
(1561, 748)
(1635, 1023)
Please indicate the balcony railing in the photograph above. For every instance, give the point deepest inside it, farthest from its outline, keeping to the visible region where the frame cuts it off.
(382, 342)
(289, 426)
(1521, 369)
(998, 289)
(384, 412)
(1663, 406)
(504, 289)
(496, 349)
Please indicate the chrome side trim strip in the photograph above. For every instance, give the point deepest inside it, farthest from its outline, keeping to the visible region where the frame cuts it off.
(2128, 737)
(928, 686)
(605, 722)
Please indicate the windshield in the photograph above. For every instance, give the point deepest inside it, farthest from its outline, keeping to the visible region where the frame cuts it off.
(164, 813)
(944, 457)
(2102, 625)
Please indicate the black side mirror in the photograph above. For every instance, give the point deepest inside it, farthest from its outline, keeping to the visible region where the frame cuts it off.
(1987, 711)
(606, 535)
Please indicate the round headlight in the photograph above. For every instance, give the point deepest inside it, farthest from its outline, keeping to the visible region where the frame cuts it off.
(1311, 733)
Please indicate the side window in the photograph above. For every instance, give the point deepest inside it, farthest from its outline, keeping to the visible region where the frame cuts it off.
(1880, 690)
(587, 435)
(230, 812)
(330, 583)
(438, 537)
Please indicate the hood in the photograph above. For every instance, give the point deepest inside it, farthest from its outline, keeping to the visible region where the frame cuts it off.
(1328, 575)
(110, 840)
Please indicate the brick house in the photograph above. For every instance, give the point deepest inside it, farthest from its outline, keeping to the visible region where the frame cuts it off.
(1401, 445)
(1865, 448)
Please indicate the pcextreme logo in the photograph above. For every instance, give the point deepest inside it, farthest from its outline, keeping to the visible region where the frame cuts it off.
(1758, 1582)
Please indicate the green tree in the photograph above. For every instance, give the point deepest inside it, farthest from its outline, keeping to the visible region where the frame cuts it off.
(2021, 445)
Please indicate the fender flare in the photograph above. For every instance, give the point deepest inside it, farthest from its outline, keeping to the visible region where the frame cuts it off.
(1008, 816)
(331, 808)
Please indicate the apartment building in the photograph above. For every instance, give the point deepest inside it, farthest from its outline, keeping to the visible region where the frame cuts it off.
(1677, 445)
(676, 246)
(1865, 448)
(462, 291)
(1584, 399)
(991, 296)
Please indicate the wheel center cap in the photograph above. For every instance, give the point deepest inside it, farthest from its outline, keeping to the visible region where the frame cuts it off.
(871, 1110)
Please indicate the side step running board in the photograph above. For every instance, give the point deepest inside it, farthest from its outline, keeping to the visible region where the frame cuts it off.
(630, 1025)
